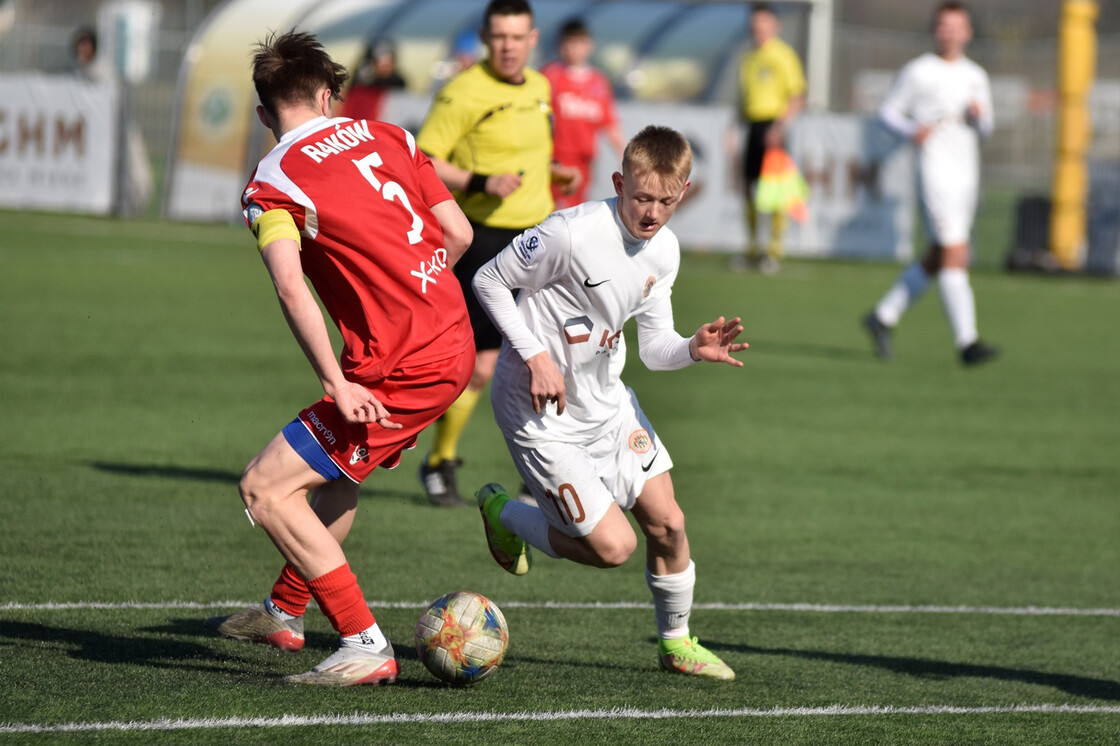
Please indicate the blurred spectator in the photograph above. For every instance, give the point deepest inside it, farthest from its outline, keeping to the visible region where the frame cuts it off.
(465, 51)
(136, 191)
(376, 75)
(86, 64)
(582, 107)
(772, 86)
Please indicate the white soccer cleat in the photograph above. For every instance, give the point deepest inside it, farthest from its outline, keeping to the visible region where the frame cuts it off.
(255, 624)
(351, 666)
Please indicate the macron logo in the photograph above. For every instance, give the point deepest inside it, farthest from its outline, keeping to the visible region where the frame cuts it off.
(340, 141)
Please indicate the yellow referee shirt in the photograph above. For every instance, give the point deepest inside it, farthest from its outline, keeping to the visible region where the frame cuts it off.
(768, 78)
(485, 125)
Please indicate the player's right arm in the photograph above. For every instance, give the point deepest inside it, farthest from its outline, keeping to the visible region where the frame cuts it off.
(895, 109)
(278, 241)
(533, 260)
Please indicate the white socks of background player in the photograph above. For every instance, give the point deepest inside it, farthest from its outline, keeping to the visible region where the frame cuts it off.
(529, 523)
(959, 304)
(909, 286)
(672, 601)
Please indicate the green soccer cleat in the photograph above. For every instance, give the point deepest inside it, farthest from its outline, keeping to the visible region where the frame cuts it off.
(508, 550)
(686, 655)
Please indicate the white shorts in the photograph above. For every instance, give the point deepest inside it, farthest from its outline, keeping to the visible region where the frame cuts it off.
(575, 484)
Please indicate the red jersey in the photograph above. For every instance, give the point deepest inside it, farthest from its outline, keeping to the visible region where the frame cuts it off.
(360, 193)
(582, 104)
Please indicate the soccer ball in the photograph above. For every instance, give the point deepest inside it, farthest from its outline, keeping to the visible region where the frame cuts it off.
(461, 637)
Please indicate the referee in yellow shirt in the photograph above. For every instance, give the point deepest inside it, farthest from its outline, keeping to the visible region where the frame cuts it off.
(772, 88)
(489, 135)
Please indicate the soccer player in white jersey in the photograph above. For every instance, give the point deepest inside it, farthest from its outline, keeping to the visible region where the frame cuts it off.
(942, 102)
(577, 434)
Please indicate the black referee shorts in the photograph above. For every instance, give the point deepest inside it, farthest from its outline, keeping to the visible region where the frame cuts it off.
(756, 146)
(485, 246)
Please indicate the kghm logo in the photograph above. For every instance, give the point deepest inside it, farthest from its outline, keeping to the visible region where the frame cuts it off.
(578, 330)
(325, 431)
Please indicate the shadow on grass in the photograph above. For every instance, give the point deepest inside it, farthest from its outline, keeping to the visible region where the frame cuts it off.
(98, 647)
(168, 471)
(1080, 686)
(820, 352)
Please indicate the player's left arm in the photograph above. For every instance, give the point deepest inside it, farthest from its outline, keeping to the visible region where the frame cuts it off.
(980, 110)
(457, 230)
(661, 348)
(795, 84)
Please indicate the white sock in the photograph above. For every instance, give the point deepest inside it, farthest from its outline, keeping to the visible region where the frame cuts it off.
(905, 292)
(372, 638)
(959, 304)
(672, 601)
(277, 612)
(529, 523)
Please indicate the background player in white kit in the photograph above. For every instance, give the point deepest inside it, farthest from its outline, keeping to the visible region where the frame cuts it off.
(943, 103)
(577, 434)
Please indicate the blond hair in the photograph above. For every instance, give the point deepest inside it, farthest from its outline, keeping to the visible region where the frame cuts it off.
(661, 151)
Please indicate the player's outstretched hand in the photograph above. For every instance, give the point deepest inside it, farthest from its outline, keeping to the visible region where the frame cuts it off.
(546, 382)
(715, 342)
(359, 406)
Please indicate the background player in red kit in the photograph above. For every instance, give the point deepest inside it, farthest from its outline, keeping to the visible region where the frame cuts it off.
(355, 206)
(582, 106)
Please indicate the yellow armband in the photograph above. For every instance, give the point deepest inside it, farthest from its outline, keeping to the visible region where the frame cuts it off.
(273, 225)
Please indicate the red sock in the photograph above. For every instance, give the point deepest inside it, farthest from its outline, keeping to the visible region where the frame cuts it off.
(291, 594)
(341, 601)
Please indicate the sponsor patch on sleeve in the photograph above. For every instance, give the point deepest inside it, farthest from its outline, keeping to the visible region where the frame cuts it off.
(526, 246)
(252, 214)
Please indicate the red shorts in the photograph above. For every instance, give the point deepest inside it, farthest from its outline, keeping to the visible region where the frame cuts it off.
(415, 396)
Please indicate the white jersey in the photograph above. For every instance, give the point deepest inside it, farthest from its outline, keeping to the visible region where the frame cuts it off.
(582, 275)
(932, 91)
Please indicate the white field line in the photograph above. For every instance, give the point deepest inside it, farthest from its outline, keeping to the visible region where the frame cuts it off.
(800, 607)
(618, 713)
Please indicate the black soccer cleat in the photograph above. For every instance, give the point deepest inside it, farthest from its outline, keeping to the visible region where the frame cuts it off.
(978, 353)
(440, 484)
(880, 336)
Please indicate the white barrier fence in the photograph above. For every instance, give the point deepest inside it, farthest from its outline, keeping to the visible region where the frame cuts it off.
(59, 141)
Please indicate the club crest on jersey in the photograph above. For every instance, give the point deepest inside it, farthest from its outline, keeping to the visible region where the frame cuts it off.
(526, 245)
(640, 442)
(650, 282)
(578, 330)
(361, 453)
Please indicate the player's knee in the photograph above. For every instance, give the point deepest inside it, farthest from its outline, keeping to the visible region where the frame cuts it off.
(252, 491)
(616, 550)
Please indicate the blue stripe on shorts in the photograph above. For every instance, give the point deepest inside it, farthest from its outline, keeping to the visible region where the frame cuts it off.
(304, 443)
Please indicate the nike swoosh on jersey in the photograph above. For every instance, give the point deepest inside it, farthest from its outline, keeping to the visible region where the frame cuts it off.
(647, 466)
(587, 283)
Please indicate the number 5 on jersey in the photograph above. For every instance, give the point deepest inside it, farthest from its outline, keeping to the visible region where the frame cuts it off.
(390, 190)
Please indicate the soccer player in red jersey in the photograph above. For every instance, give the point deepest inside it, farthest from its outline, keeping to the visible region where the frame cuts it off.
(582, 107)
(358, 209)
